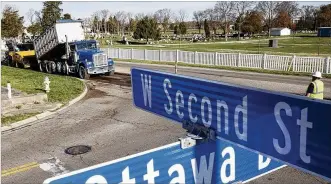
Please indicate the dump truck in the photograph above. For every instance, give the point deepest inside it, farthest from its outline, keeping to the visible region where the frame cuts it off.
(62, 48)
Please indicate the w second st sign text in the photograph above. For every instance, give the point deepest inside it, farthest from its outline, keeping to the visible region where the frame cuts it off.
(285, 127)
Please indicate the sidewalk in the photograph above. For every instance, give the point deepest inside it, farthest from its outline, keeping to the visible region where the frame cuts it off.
(22, 104)
(4, 93)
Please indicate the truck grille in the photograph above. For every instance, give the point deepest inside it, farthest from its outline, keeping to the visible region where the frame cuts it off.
(100, 59)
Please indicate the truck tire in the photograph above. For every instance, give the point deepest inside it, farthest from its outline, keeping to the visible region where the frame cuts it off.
(48, 68)
(82, 73)
(20, 65)
(58, 67)
(107, 74)
(52, 66)
(65, 69)
(41, 67)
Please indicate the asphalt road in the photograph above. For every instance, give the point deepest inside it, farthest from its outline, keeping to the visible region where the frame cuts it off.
(281, 83)
(106, 120)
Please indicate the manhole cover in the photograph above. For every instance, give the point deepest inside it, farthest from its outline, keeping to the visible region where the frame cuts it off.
(77, 150)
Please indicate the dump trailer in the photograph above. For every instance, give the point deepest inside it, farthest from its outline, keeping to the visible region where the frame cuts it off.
(62, 48)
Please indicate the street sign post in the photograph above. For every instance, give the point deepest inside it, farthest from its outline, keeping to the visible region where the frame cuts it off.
(211, 162)
(290, 128)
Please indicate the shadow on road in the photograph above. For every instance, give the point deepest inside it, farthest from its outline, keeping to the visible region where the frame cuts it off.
(117, 79)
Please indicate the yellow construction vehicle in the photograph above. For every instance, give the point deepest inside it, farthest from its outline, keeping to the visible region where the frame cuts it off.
(21, 55)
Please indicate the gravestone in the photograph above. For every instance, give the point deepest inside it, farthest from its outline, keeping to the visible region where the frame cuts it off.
(273, 43)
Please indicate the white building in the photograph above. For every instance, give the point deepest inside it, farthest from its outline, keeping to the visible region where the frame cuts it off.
(280, 31)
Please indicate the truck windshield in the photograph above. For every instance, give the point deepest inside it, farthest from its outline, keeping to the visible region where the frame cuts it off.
(86, 45)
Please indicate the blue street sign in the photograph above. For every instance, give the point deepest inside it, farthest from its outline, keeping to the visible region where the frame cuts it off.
(290, 128)
(212, 162)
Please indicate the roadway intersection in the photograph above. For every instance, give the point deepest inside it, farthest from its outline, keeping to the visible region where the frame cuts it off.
(107, 121)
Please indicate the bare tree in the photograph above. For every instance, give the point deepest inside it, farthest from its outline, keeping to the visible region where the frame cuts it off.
(211, 15)
(240, 9)
(308, 14)
(96, 18)
(104, 15)
(225, 10)
(291, 7)
(139, 16)
(268, 8)
(88, 23)
(198, 17)
(163, 17)
(121, 17)
(38, 16)
(182, 15)
(129, 16)
(31, 15)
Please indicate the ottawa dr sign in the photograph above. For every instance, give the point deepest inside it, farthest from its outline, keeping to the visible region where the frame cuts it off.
(290, 128)
(211, 162)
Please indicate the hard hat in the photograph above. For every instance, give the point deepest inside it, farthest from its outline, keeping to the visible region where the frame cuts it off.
(317, 74)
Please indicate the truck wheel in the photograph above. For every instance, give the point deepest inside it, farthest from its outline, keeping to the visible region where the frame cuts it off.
(58, 67)
(52, 67)
(82, 73)
(107, 74)
(48, 68)
(41, 67)
(20, 65)
(65, 69)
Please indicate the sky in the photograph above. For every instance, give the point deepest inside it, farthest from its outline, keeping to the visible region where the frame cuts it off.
(84, 9)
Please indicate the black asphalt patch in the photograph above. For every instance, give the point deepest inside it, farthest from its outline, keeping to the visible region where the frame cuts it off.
(78, 150)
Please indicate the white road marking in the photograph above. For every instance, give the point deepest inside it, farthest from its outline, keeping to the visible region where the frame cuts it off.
(55, 166)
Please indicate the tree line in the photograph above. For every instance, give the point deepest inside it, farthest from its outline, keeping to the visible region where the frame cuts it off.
(39, 21)
(246, 16)
(255, 17)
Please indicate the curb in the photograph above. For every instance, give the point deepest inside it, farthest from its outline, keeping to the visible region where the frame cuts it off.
(44, 114)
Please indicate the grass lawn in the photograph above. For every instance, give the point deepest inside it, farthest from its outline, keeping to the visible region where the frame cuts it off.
(304, 46)
(63, 88)
(6, 120)
(225, 68)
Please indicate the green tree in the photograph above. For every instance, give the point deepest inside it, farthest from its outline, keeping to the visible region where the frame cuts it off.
(182, 28)
(11, 22)
(96, 23)
(35, 28)
(132, 25)
(67, 16)
(207, 29)
(51, 12)
(176, 30)
(237, 24)
(147, 28)
(103, 27)
(172, 26)
(112, 24)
